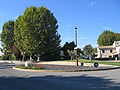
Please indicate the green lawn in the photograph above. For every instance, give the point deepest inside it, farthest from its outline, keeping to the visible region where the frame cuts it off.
(100, 62)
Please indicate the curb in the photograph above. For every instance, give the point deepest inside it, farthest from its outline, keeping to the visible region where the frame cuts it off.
(43, 70)
(79, 70)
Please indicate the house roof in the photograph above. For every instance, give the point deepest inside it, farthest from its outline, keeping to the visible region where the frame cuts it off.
(106, 47)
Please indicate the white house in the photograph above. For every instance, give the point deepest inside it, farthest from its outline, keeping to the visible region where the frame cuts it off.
(112, 51)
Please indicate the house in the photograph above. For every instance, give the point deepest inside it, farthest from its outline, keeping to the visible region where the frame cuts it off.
(112, 51)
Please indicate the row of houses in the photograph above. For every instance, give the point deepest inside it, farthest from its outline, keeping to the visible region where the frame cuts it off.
(112, 51)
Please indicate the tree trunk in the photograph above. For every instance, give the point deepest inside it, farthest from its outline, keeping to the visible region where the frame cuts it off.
(90, 57)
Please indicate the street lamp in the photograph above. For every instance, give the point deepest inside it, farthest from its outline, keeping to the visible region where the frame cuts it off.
(76, 46)
(76, 36)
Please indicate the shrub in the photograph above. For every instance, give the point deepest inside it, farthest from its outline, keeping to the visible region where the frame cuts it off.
(37, 68)
(24, 67)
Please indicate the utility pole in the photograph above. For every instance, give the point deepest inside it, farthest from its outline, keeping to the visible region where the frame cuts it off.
(76, 36)
(76, 46)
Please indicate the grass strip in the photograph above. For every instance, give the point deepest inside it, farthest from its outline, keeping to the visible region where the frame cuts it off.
(34, 68)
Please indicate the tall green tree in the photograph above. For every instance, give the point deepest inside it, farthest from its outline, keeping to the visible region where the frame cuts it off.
(68, 46)
(108, 38)
(88, 50)
(7, 38)
(117, 36)
(36, 33)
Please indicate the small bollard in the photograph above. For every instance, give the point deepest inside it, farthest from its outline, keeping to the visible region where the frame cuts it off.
(82, 63)
(26, 63)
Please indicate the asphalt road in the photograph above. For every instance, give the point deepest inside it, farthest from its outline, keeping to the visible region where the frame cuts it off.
(93, 80)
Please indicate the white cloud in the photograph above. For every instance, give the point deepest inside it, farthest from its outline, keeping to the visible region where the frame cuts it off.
(91, 4)
(107, 28)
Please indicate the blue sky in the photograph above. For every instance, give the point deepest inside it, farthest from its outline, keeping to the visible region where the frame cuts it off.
(91, 17)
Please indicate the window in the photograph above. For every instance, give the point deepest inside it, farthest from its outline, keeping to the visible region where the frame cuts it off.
(103, 51)
(110, 56)
(111, 51)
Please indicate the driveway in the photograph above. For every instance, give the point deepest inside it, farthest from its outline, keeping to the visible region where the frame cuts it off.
(93, 80)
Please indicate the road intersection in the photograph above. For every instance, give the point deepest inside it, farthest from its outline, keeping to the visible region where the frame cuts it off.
(92, 80)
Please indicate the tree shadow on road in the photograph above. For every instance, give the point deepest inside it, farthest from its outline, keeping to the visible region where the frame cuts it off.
(51, 82)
